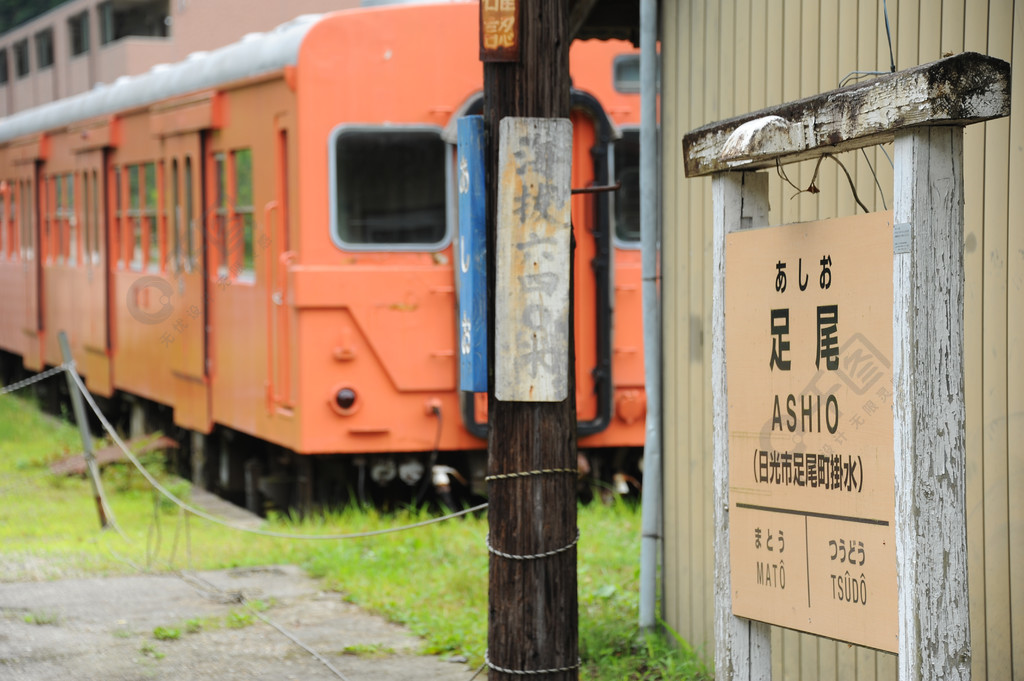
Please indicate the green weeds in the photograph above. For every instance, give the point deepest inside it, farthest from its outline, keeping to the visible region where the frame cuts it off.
(374, 650)
(150, 650)
(166, 633)
(41, 618)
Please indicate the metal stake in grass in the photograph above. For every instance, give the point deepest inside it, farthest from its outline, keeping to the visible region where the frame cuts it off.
(83, 425)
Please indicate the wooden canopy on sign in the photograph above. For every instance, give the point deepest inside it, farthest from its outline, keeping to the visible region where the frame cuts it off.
(959, 90)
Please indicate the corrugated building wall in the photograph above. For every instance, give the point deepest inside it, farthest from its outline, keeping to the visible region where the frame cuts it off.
(721, 58)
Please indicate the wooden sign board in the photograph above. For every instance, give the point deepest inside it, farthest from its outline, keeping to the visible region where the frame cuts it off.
(531, 323)
(808, 328)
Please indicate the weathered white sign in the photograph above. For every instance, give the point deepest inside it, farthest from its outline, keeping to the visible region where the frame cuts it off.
(532, 260)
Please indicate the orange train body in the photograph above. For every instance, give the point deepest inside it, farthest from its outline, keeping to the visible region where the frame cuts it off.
(243, 235)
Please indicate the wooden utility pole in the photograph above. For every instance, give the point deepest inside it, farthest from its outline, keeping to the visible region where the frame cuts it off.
(533, 614)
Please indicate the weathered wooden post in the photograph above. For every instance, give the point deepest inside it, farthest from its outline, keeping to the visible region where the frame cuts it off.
(802, 470)
(532, 623)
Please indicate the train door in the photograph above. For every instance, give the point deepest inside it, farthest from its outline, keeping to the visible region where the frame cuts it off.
(91, 297)
(183, 178)
(29, 173)
(275, 219)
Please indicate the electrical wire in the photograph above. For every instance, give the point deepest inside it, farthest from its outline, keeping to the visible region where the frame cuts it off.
(881, 194)
(813, 189)
(853, 187)
(888, 34)
(855, 75)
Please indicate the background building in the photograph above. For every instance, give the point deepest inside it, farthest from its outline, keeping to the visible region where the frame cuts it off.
(80, 43)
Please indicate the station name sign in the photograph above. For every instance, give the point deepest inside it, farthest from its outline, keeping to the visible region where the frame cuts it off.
(808, 327)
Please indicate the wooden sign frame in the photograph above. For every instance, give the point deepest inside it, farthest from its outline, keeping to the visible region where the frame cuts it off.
(923, 111)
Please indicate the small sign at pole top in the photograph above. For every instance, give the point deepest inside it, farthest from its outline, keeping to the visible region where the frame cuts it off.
(532, 260)
(499, 30)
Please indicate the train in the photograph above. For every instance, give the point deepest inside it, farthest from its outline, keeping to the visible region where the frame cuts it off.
(252, 251)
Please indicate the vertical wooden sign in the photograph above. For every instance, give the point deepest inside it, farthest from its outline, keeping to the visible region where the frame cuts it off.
(532, 260)
(472, 254)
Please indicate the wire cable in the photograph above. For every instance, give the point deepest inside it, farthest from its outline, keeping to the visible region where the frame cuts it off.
(212, 592)
(530, 672)
(34, 379)
(214, 519)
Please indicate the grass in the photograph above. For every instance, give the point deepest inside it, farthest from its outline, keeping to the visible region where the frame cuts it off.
(49, 528)
(150, 650)
(41, 618)
(166, 633)
(371, 650)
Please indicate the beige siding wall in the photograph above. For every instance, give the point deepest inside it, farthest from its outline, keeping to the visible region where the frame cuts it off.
(726, 57)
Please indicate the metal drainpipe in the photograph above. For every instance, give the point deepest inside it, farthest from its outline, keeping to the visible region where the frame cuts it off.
(651, 508)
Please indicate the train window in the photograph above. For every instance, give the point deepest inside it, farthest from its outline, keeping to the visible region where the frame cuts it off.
(57, 219)
(150, 215)
(86, 221)
(19, 201)
(627, 198)
(117, 224)
(388, 188)
(3, 222)
(51, 240)
(190, 221)
(243, 211)
(626, 73)
(220, 236)
(174, 239)
(4, 72)
(135, 216)
(96, 213)
(28, 219)
(13, 245)
(66, 216)
(16, 228)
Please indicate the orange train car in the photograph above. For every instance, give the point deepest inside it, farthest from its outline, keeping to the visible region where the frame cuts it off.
(253, 248)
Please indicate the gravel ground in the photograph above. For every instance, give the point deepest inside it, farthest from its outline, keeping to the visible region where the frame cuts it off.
(102, 629)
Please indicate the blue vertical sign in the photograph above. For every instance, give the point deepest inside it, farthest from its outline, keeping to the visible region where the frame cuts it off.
(472, 256)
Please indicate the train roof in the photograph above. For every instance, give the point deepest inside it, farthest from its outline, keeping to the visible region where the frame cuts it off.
(253, 55)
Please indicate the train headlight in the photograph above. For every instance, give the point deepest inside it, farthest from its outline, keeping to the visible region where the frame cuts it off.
(345, 399)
